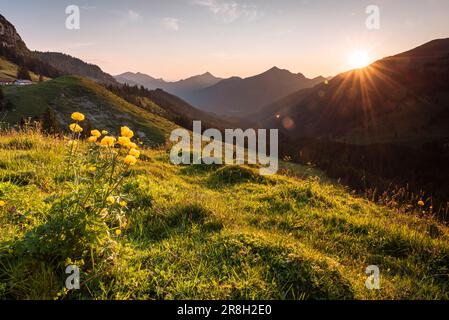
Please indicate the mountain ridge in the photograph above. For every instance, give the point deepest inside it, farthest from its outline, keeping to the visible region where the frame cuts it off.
(239, 97)
(74, 66)
(180, 87)
(409, 82)
(79, 77)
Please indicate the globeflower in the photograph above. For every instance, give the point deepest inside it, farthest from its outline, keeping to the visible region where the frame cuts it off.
(131, 145)
(127, 132)
(108, 141)
(421, 203)
(123, 141)
(118, 232)
(92, 139)
(92, 169)
(123, 204)
(104, 132)
(2, 203)
(110, 200)
(95, 133)
(135, 153)
(130, 160)
(77, 116)
(74, 127)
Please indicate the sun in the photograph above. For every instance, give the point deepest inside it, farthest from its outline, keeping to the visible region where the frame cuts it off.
(359, 59)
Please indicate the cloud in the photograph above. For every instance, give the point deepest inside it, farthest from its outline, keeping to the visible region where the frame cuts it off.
(229, 11)
(130, 16)
(171, 24)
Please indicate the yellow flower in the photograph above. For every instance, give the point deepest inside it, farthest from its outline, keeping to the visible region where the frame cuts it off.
(127, 132)
(95, 133)
(104, 132)
(421, 203)
(110, 200)
(72, 143)
(78, 116)
(123, 204)
(131, 145)
(2, 203)
(92, 139)
(135, 153)
(130, 160)
(123, 141)
(118, 232)
(92, 169)
(75, 128)
(108, 141)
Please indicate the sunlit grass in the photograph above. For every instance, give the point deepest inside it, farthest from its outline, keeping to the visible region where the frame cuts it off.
(221, 233)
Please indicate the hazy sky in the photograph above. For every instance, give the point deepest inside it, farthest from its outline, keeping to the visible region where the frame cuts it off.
(174, 39)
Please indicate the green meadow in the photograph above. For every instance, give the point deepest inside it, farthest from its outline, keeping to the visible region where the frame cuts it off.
(206, 232)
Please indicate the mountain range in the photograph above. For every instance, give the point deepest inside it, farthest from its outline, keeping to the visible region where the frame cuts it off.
(234, 96)
(383, 124)
(239, 97)
(382, 129)
(69, 84)
(180, 88)
(400, 99)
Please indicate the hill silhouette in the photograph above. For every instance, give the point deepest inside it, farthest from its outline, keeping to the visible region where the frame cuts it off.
(239, 97)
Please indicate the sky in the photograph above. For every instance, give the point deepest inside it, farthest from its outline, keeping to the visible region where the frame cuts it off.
(176, 39)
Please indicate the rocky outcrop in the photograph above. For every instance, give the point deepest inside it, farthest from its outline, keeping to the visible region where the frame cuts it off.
(10, 38)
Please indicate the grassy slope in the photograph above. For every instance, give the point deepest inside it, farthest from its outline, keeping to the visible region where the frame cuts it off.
(103, 108)
(8, 70)
(203, 237)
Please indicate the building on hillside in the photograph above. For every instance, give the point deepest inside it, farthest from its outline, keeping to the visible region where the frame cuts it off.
(5, 82)
(23, 82)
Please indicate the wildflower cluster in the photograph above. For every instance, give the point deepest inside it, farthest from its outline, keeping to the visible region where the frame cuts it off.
(103, 168)
(124, 141)
(89, 215)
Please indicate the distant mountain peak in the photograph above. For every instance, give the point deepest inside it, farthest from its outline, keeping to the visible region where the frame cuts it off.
(280, 72)
(238, 97)
(180, 87)
(276, 69)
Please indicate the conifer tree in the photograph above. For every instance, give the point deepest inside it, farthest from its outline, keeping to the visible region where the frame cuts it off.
(23, 73)
(50, 124)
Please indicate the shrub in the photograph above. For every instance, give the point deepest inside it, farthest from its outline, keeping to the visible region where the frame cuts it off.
(236, 174)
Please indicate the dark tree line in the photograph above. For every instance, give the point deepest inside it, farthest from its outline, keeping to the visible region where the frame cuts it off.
(23, 73)
(132, 94)
(378, 167)
(30, 63)
(177, 110)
